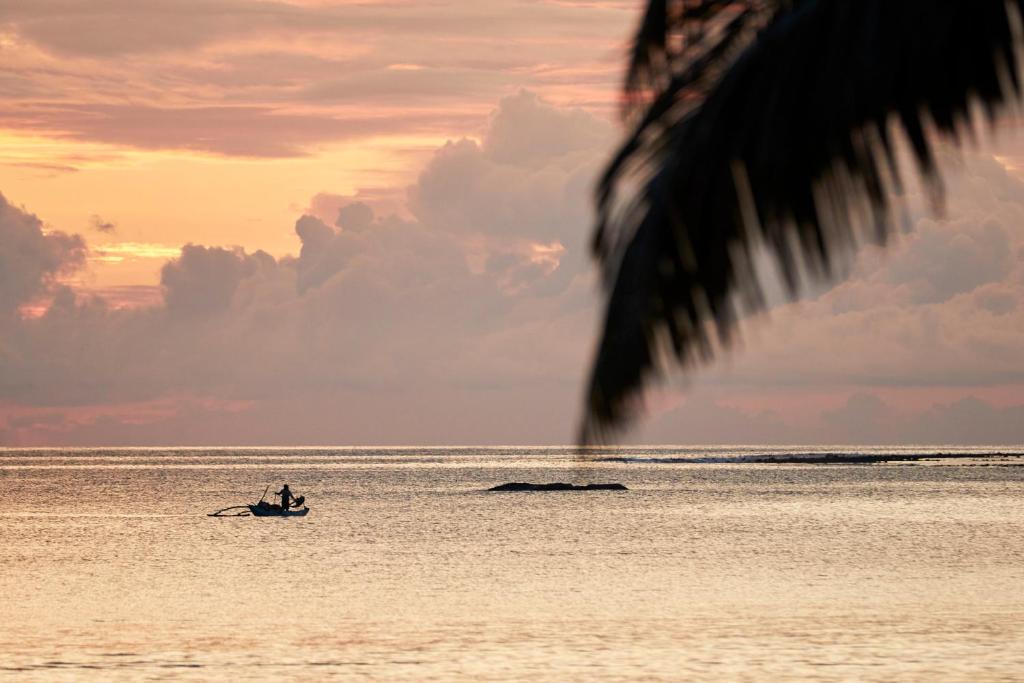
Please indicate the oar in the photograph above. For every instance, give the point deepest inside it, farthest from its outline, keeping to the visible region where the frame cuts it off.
(264, 494)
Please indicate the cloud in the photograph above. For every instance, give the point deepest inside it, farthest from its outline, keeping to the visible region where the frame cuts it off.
(470, 314)
(381, 201)
(277, 79)
(938, 308)
(706, 415)
(970, 420)
(951, 258)
(705, 419)
(528, 179)
(204, 280)
(865, 418)
(415, 86)
(31, 259)
(96, 29)
(100, 225)
(526, 131)
(355, 216)
(997, 299)
(374, 310)
(242, 130)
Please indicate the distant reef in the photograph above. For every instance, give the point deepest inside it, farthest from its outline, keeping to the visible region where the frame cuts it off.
(524, 486)
(868, 458)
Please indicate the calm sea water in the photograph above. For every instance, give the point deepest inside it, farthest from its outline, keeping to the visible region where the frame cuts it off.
(710, 568)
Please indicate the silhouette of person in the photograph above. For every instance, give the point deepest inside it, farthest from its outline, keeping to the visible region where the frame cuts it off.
(286, 497)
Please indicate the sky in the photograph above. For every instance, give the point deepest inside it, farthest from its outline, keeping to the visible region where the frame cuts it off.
(232, 222)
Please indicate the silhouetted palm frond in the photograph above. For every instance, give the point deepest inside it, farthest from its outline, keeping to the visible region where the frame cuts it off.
(768, 123)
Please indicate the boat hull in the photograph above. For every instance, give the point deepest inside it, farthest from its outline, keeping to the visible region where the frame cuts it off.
(261, 511)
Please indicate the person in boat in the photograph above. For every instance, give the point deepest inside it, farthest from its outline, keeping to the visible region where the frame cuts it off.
(286, 497)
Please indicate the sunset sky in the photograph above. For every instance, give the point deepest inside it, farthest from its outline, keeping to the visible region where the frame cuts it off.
(239, 222)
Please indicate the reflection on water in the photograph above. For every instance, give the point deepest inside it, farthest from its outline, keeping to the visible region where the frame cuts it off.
(709, 568)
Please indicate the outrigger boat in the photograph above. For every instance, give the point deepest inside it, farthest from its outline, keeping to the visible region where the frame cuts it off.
(265, 509)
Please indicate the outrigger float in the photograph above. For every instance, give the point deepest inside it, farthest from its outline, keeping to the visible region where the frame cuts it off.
(264, 509)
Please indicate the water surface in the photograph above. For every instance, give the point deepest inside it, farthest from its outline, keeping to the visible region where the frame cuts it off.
(711, 567)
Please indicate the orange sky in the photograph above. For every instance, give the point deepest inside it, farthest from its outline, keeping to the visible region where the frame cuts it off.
(217, 121)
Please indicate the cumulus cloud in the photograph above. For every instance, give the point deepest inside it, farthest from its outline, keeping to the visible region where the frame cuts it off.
(938, 313)
(951, 258)
(997, 299)
(528, 179)
(203, 280)
(525, 131)
(939, 307)
(334, 209)
(373, 305)
(30, 258)
(354, 216)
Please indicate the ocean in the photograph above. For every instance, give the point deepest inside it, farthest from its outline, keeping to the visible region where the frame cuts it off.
(725, 563)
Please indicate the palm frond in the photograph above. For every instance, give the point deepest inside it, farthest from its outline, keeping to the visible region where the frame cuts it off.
(769, 122)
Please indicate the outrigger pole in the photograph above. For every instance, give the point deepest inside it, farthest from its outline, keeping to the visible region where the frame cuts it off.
(219, 513)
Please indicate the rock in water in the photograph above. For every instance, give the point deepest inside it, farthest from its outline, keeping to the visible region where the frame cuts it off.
(524, 486)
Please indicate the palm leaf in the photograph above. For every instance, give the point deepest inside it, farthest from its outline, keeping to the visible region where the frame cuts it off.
(768, 123)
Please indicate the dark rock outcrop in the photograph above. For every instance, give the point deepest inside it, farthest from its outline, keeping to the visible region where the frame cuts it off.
(523, 486)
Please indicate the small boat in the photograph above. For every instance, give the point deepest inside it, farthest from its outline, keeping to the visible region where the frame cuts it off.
(264, 509)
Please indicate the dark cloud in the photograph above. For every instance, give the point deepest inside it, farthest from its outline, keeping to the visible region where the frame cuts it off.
(354, 216)
(100, 225)
(203, 280)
